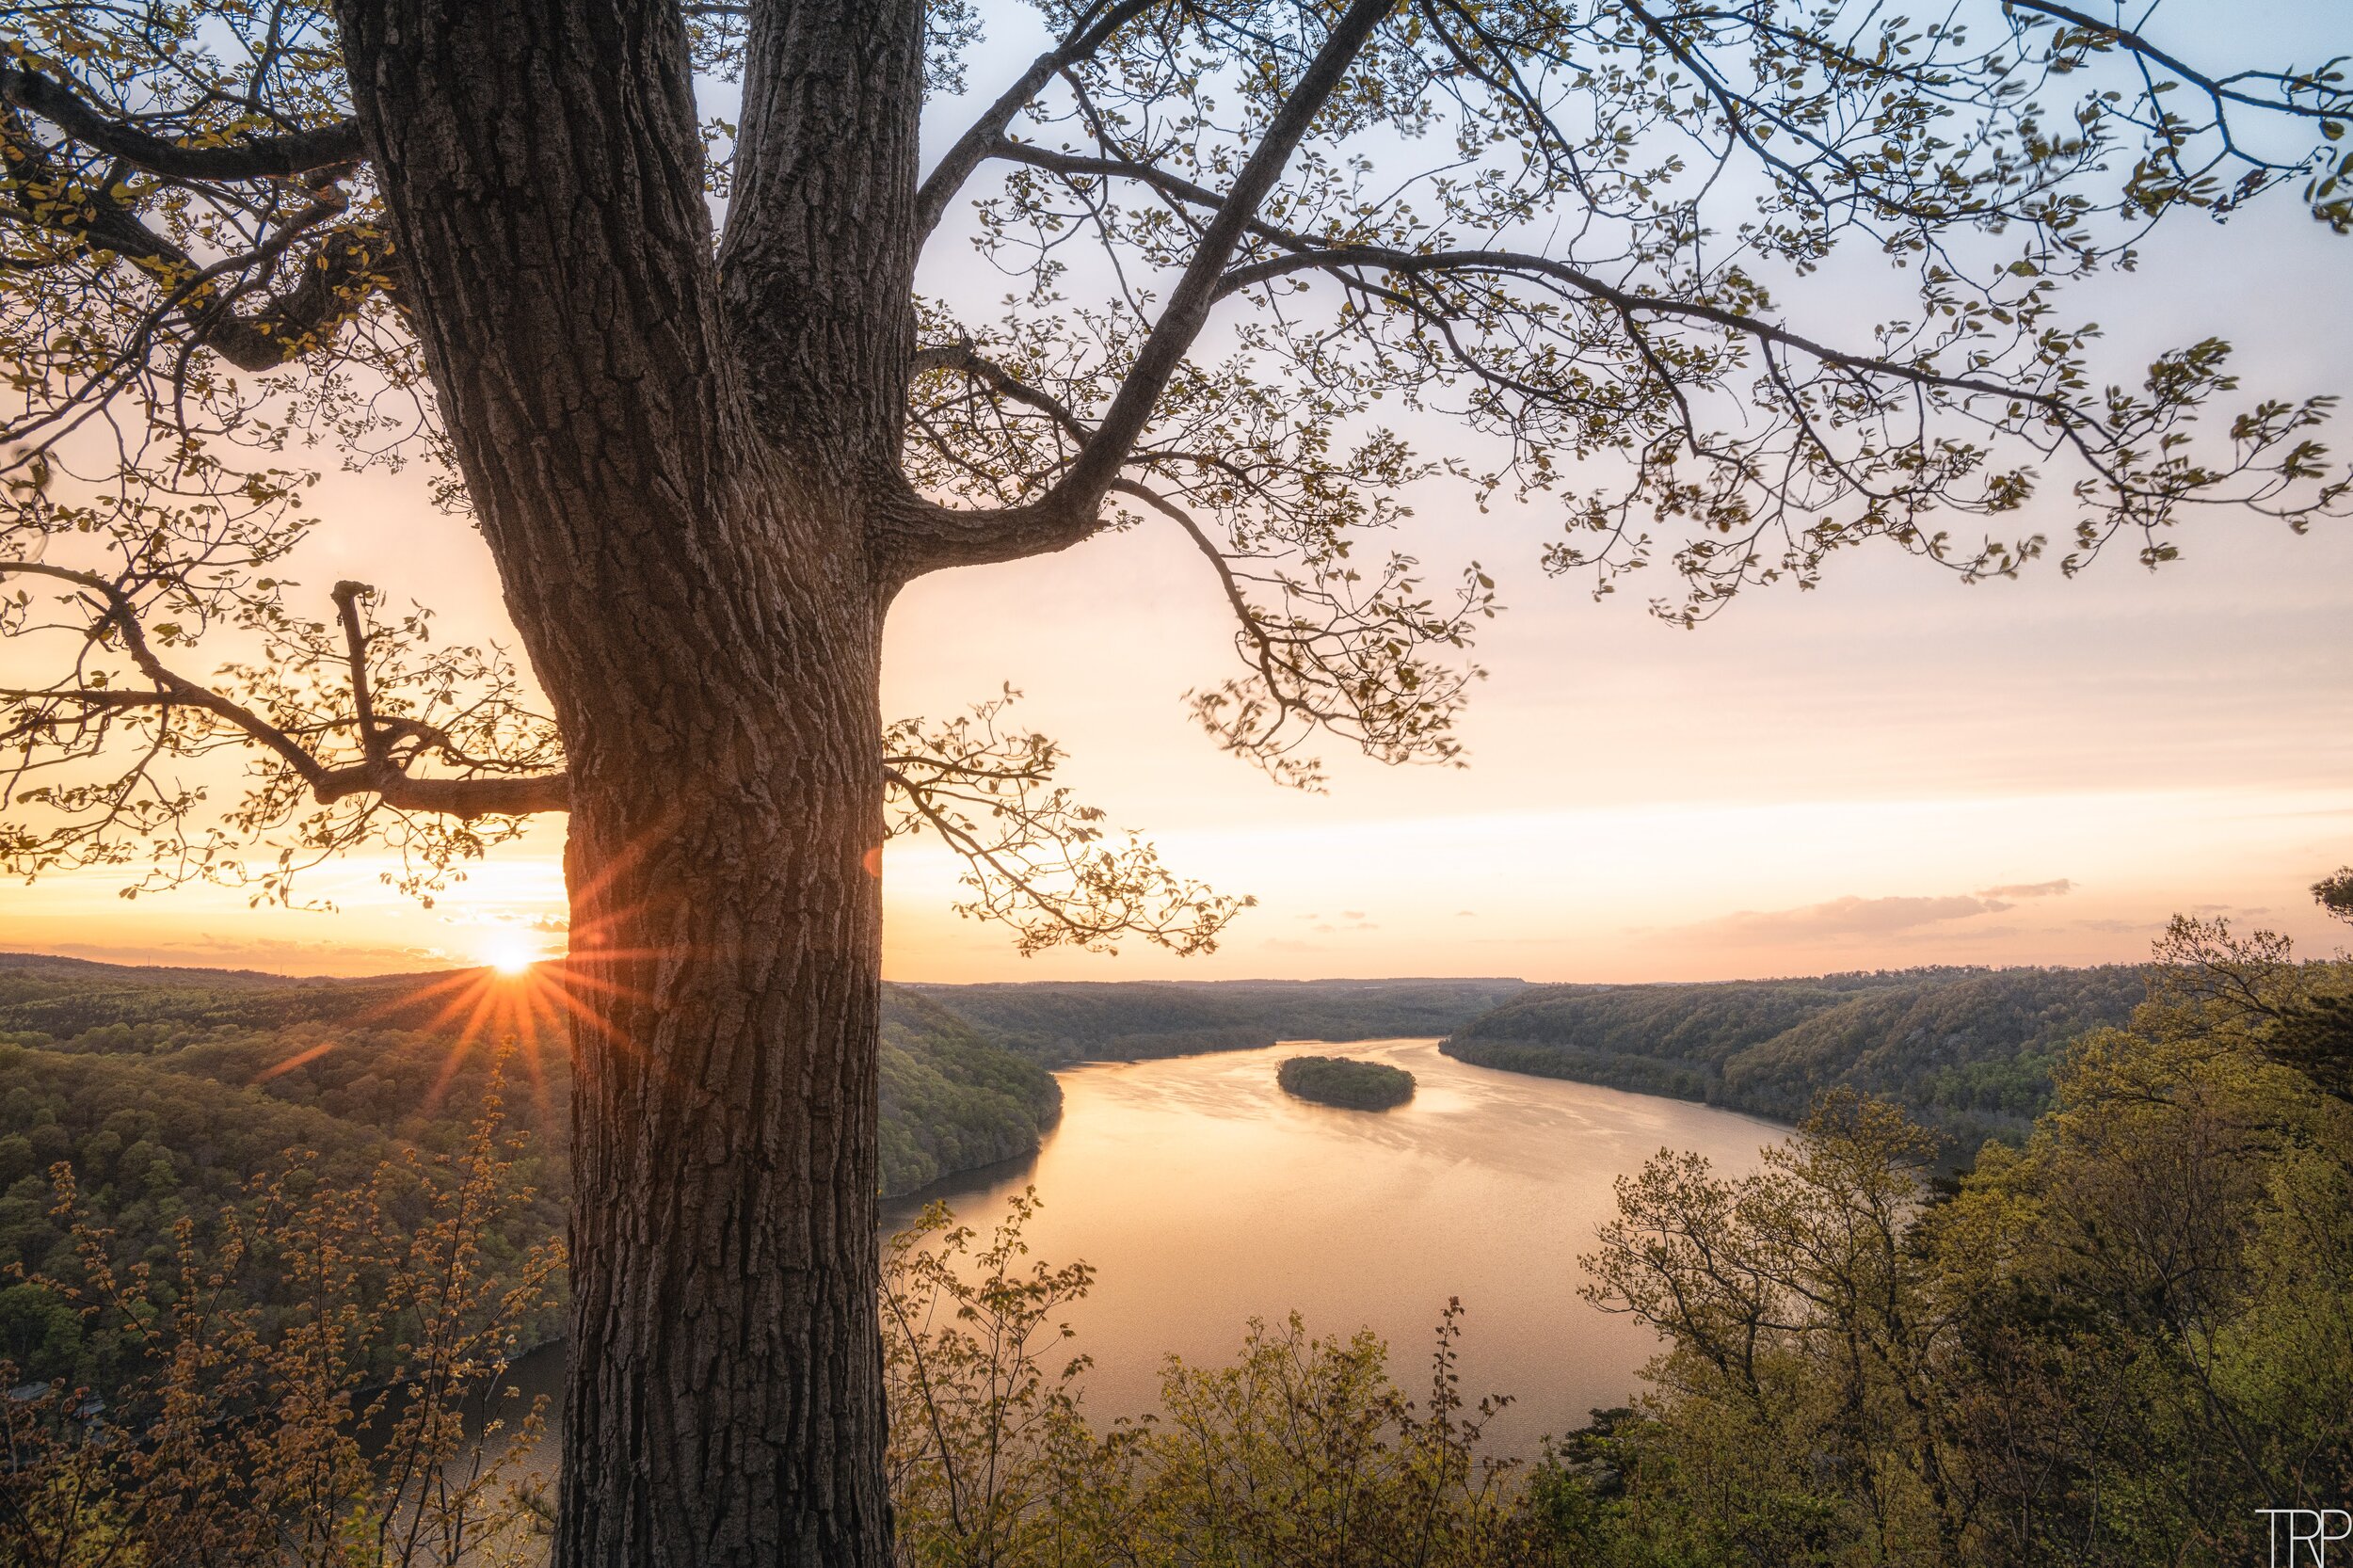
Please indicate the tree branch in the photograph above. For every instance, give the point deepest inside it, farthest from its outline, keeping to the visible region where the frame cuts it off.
(1189, 304)
(331, 278)
(985, 137)
(1174, 187)
(2220, 90)
(170, 688)
(1035, 858)
(485, 796)
(59, 99)
(373, 743)
(919, 537)
(1509, 263)
(378, 773)
(980, 367)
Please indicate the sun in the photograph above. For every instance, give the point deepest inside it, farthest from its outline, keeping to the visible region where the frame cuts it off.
(508, 953)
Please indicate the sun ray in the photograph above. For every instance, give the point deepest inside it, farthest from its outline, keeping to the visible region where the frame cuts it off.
(296, 1060)
(485, 1004)
(456, 980)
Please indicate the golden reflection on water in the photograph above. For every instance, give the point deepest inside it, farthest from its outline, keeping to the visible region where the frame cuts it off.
(1204, 1195)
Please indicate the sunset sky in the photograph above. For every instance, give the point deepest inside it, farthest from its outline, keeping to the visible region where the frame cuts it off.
(1896, 769)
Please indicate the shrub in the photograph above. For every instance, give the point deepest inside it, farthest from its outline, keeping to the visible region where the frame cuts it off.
(253, 1434)
(1302, 1452)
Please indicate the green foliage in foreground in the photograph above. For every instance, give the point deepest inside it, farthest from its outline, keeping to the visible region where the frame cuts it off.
(1337, 1081)
(2109, 1347)
(313, 1378)
(1969, 1053)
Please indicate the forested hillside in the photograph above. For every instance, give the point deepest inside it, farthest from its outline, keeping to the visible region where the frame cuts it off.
(405, 1058)
(1059, 1023)
(952, 1097)
(167, 1091)
(1968, 1051)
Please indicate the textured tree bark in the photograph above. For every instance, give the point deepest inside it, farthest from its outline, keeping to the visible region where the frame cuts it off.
(725, 1400)
(676, 466)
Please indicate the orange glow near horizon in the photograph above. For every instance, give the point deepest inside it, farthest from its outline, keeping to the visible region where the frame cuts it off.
(509, 952)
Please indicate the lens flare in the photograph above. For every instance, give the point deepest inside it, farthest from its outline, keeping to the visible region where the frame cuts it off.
(508, 953)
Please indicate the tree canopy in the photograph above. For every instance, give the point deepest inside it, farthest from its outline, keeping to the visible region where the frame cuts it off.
(1238, 238)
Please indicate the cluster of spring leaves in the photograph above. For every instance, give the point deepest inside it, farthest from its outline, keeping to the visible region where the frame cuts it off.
(1563, 229)
(1040, 860)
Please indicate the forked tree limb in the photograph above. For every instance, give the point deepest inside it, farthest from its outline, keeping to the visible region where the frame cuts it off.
(481, 794)
(985, 135)
(209, 300)
(1189, 303)
(918, 536)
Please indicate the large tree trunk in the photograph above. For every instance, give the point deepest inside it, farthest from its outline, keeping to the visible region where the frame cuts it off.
(677, 469)
(724, 1396)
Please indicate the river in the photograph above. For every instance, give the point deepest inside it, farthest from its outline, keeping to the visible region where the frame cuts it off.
(1203, 1196)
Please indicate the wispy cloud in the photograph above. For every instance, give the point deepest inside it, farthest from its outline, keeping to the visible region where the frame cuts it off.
(2028, 889)
(528, 919)
(1850, 915)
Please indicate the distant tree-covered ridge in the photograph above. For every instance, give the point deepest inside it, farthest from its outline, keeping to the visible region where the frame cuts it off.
(1059, 1023)
(1337, 1081)
(1968, 1051)
(404, 1057)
